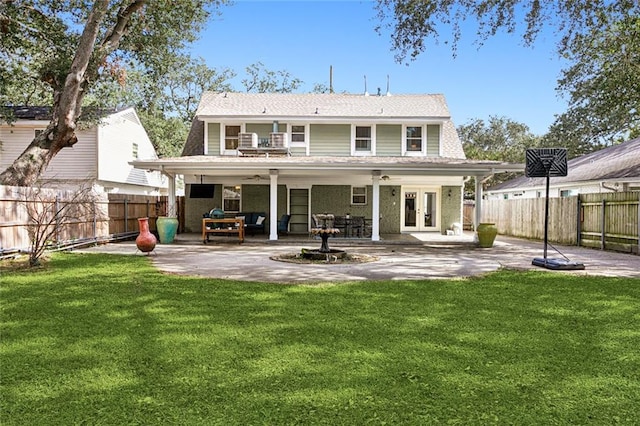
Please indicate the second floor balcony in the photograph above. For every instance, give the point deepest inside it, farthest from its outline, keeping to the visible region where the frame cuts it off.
(251, 144)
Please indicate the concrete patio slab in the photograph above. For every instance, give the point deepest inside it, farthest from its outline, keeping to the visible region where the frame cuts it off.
(406, 257)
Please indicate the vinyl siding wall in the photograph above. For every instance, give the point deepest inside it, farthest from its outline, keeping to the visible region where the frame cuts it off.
(330, 140)
(388, 140)
(79, 162)
(334, 139)
(116, 149)
(213, 138)
(433, 140)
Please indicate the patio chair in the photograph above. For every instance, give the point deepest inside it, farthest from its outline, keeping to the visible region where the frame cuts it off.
(340, 222)
(283, 224)
(357, 226)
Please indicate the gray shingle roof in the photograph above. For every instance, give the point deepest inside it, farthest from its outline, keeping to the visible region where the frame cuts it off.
(195, 139)
(213, 104)
(615, 162)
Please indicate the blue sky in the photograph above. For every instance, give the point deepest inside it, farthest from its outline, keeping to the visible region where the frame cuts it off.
(305, 38)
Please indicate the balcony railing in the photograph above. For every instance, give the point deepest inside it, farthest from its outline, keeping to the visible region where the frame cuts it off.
(276, 144)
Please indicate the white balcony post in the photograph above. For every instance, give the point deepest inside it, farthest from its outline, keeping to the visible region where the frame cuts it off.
(273, 204)
(375, 207)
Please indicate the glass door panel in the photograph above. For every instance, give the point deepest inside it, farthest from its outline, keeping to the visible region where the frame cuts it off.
(420, 210)
(410, 209)
(430, 209)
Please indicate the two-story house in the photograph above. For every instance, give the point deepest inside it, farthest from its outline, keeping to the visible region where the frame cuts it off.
(394, 159)
(100, 157)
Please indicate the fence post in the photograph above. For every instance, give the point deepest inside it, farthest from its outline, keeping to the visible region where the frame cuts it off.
(95, 221)
(126, 215)
(57, 217)
(147, 208)
(579, 222)
(603, 222)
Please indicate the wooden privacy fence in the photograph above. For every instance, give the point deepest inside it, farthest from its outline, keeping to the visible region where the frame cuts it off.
(606, 221)
(25, 210)
(115, 216)
(610, 221)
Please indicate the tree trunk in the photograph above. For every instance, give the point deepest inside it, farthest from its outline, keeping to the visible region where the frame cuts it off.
(60, 132)
(27, 168)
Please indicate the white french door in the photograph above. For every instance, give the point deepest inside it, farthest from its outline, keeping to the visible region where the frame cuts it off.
(420, 209)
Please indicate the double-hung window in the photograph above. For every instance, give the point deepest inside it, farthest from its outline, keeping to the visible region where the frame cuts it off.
(298, 134)
(358, 195)
(231, 197)
(414, 138)
(363, 138)
(231, 137)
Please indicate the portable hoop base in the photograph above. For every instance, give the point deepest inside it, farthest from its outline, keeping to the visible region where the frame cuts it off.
(557, 264)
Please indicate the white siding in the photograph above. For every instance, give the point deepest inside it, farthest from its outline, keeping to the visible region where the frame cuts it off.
(78, 162)
(116, 138)
(13, 140)
(102, 153)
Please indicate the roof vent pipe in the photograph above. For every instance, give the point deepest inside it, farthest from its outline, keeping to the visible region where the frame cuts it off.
(365, 86)
(330, 78)
(388, 92)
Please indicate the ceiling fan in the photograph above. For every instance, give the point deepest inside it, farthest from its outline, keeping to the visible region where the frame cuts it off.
(256, 178)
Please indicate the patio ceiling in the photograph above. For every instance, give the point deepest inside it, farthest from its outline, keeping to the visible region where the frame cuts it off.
(306, 167)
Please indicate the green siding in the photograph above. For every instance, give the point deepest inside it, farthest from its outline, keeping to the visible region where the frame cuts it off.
(433, 140)
(388, 140)
(263, 129)
(255, 198)
(336, 199)
(213, 141)
(194, 208)
(451, 207)
(298, 151)
(330, 139)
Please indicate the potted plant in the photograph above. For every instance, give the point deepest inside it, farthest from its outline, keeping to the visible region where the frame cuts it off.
(167, 226)
(486, 234)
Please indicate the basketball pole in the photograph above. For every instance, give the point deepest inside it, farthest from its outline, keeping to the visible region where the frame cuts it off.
(546, 217)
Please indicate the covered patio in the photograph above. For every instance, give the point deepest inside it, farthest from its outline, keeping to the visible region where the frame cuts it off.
(304, 172)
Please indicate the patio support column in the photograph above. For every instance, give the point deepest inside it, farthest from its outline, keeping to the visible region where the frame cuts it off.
(172, 208)
(478, 209)
(273, 204)
(375, 207)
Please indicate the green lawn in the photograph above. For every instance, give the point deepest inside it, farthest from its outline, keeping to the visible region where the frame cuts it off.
(108, 340)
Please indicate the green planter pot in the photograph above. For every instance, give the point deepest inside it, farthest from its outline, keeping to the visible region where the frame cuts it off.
(486, 233)
(167, 229)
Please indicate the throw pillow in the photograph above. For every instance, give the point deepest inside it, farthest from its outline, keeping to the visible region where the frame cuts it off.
(260, 220)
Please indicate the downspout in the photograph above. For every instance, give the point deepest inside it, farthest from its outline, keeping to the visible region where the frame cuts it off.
(610, 188)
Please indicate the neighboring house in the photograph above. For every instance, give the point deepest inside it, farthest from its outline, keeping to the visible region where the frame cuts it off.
(394, 159)
(101, 156)
(612, 169)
